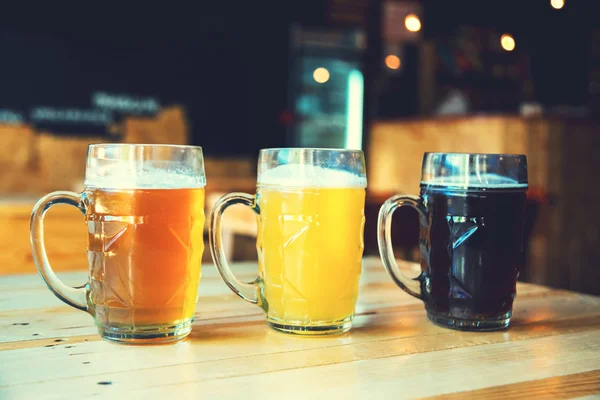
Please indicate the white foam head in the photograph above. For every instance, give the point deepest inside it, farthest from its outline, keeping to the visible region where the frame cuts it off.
(480, 181)
(124, 175)
(306, 175)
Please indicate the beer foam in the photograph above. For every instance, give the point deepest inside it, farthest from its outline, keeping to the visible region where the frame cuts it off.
(124, 177)
(296, 175)
(481, 181)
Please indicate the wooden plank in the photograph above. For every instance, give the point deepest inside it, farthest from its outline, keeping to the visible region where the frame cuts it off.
(31, 314)
(35, 326)
(394, 145)
(410, 376)
(404, 368)
(396, 331)
(558, 387)
(65, 236)
(19, 330)
(216, 298)
(392, 343)
(562, 249)
(169, 125)
(19, 160)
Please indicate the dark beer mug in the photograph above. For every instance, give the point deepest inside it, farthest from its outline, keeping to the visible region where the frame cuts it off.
(471, 213)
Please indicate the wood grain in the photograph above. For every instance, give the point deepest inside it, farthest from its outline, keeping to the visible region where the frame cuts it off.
(558, 387)
(18, 160)
(301, 374)
(47, 317)
(561, 160)
(66, 231)
(65, 237)
(392, 350)
(400, 172)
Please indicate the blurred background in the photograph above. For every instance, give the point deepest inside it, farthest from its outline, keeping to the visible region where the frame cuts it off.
(394, 78)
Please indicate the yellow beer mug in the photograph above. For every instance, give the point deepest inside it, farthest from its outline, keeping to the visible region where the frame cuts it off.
(310, 213)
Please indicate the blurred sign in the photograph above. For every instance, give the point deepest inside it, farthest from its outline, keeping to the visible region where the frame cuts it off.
(394, 14)
(126, 104)
(71, 120)
(11, 117)
(348, 12)
(105, 109)
(41, 115)
(328, 39)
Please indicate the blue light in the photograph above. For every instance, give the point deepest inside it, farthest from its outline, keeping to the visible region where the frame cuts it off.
(354, 110)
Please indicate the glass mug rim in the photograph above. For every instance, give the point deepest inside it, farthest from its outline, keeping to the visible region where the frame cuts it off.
(118, 165)
(149, 145)
(511, 155)
(311, 162)
(471, 171)
(329, 149)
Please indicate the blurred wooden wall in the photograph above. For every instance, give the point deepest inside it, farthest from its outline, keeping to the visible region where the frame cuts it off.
(563, 164)
(35, 163)
(38, 162)
(396, 149)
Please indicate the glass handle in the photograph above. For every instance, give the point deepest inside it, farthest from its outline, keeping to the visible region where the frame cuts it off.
(384, 240)
(73, 296)
(247, 291)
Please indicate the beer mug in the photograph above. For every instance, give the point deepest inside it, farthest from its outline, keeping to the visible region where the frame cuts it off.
(471, 212)
(144, 209)
(310, 214)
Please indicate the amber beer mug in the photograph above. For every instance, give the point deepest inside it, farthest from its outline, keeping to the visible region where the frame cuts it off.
(144, 209)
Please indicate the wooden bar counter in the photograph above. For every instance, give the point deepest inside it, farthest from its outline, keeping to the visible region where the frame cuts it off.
(562, 227)
(50, 350)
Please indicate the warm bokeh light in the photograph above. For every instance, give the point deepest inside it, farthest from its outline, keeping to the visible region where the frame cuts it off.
(507, 42)
(412, 23)
(558, 4)
(321, 75)
(392, 61)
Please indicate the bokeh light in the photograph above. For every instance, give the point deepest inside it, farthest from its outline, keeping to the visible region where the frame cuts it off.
(392, 61)
(412, 23)
(321, 75)
(507, 42)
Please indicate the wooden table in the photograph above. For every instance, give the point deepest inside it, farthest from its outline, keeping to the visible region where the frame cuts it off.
(49, 350)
